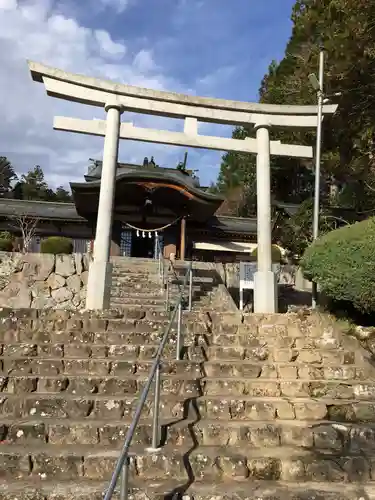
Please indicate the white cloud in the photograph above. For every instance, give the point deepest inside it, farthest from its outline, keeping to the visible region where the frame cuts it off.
(144, 61)
(31, 29)
(107, 47)
(8, 4)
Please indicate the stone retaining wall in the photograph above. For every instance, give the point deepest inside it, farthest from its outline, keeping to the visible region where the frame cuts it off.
(41, 281)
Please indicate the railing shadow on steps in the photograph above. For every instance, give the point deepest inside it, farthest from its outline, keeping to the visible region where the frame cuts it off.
(123, 463)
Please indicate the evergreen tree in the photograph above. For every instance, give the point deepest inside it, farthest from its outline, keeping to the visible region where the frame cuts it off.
(345, 28)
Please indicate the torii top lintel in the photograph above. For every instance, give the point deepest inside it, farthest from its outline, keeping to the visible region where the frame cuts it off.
(97, 92)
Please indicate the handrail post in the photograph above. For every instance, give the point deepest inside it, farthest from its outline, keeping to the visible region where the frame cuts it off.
(179, 325)
(167, 294)
(124, 488)
(155, 420)
(190, 286)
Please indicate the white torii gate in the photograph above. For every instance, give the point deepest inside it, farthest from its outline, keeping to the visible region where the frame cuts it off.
(117, 98)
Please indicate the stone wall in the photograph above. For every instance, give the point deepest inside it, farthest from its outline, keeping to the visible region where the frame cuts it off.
(42, 281)
(229, 273)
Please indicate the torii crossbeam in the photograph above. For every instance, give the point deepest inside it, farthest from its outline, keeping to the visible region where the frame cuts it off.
(117, 98)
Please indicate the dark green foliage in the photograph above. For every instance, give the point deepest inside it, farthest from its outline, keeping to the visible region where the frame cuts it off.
(56, 245)
(6, 245)
(275, 252)
(7, 175)
(342, 262)
(33, 186)
(346, 29)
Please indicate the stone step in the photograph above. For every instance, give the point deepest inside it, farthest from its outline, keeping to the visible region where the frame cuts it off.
(314, 357)
(87, 354)
(64, 463)
(237, 387)
(157, 490)
(171, 385)
(105, 433)
(127, 359)
(143, 295)
(277, 490)
(321, 435)
(214, 463)
(208, 463)
(115, 366)
(291, 370)
(271, 409)
(87, 489)
(90, 406)
(156, 304)
(140, 334)
(302, 342)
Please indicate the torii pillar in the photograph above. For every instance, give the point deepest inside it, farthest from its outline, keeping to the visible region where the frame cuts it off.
(265, 285)
(100, 271)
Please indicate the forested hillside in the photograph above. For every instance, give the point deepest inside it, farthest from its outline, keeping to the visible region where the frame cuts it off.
(346, 28)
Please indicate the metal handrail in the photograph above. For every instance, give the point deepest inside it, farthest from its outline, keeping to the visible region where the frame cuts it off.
(160, 261)
(190, 299)
(122, 466)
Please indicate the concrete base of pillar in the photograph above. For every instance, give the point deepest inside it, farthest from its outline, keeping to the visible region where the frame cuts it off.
(99, 286)
(265, 292)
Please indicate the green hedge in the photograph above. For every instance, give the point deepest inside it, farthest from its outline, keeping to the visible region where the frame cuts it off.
(6, 245)
(56, 245)
(342, 262)
(275, 253)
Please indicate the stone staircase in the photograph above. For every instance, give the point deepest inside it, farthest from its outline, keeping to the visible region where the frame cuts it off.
(136, 282)
(276, 407)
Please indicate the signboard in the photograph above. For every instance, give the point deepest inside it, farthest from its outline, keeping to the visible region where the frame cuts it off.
(247, 272)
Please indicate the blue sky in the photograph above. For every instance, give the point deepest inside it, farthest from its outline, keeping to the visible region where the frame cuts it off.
(217, 48)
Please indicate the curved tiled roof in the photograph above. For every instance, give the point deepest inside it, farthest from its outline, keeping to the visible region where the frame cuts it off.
(47, 210)
(39, 209)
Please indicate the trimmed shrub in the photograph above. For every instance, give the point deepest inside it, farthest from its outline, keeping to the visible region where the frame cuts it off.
(56, 245)
(5, 235)
(275, 253)
(6, 245)
(342, 262)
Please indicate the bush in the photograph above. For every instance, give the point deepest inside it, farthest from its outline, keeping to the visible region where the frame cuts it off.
(56, 245)
(5, 235)
(275, 253)
(342, 262)
(6, 245)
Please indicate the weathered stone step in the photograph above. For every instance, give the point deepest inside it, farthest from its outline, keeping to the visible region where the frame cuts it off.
(61, 432)
(143, 295)
(301, 342)
(278, 490)
(86, 461)
(71, 365)
(90, 406)
(135, 333)
(292, 370)
(270, 409)
(235, 386)
(285, 355)
(308, 434)
(136, 280)
(86, 489)
(280, 463)
(124, 303)
(176, 385)
(97, 351)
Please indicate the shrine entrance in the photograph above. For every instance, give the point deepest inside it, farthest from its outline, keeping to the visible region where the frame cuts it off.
(117, 98)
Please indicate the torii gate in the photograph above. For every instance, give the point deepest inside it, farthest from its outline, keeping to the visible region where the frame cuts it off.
(117, 98)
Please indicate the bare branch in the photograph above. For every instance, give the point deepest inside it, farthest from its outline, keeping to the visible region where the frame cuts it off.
(26, 225)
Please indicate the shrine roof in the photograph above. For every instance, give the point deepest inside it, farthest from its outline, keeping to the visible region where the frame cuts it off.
(168, 188)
